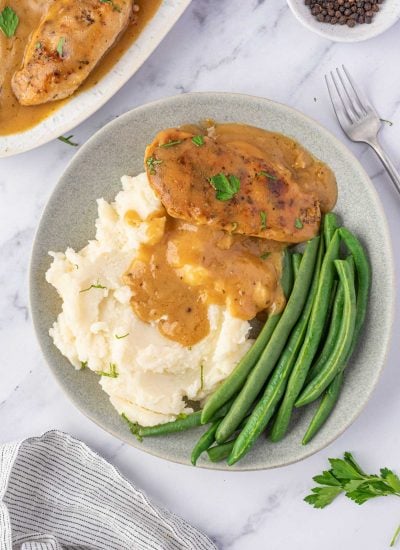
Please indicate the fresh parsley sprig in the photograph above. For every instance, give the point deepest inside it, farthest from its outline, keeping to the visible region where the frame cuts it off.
(346, 476)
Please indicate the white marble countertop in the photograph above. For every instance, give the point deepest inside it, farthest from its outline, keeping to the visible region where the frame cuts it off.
(256, 47)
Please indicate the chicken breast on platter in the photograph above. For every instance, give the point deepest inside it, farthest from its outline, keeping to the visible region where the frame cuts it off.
(228, 187)
(70, 40)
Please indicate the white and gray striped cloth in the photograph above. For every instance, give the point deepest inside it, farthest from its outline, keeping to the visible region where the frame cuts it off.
(57, 494)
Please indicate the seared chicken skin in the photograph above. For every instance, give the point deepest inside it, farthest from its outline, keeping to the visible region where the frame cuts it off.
(269, 202)
(69, 41)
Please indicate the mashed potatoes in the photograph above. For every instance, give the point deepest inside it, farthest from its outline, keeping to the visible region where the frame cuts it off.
(97, 328)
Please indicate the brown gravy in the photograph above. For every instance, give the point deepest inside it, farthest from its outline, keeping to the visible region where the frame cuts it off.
(187, 267)
(16, 118)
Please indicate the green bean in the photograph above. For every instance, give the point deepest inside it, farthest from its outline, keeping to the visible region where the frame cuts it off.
(296, 260)
(363, 270)
(180, 424)
(287, 277)
(205, 441)
(311, 342)
(219, 452)
(185, 422)
(273, 350)
(234, 382)
(334, 328)
(275, 389)
(325, 408)
(339, 354)
(330, 224)
(333, 391)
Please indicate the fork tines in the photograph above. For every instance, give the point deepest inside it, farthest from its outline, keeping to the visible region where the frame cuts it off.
(349, 103)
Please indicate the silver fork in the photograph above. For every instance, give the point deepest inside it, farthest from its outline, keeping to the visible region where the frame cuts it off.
(357, 116)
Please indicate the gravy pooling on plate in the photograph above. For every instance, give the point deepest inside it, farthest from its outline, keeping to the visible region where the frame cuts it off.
(187, 267)
(223, 249)
(15, 117)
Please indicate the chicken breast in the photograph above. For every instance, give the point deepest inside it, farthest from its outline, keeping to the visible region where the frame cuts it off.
(260, 199)
(69, 41)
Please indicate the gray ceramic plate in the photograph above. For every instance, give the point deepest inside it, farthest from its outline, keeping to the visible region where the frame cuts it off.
(118, 149)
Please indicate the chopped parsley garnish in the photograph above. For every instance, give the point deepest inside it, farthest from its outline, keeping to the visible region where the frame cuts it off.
(38, 45)
(60, 46)
(226, 186)
(84, 364)
(123, 336)
(201, 376)
(298, 223)
(113, 371)
(171, 143)
(97, 285)
(67, 140)
(266, 175)
(198, 140)
(8, 21)
(263, 218)
(265, 255)
(112, 3)
(152, 163)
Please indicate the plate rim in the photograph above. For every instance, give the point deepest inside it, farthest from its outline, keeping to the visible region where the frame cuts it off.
(391, 274)
(118, 81)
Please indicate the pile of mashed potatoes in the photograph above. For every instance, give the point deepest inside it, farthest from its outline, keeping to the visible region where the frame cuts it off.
(97, 328)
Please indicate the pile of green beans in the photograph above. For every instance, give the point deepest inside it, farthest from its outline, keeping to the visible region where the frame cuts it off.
(299, 356)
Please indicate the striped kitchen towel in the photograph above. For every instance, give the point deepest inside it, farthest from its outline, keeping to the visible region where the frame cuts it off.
(57, 494)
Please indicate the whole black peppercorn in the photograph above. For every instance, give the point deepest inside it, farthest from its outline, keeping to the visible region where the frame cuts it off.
(344, 12)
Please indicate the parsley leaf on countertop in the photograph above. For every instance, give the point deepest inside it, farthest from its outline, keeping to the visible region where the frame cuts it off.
(8, 21)
(67, 140)
(346, 476)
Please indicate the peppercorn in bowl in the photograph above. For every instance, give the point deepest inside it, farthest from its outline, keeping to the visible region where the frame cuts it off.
(346, 20)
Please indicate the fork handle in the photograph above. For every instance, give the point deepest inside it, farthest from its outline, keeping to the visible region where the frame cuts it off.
(387, 163)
